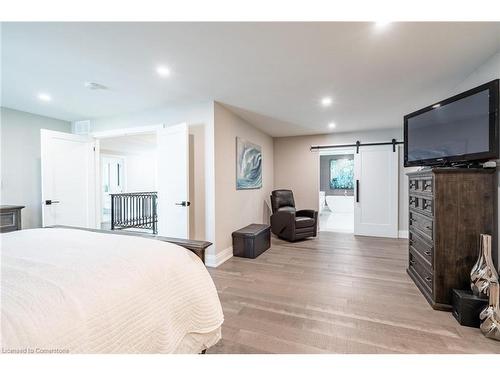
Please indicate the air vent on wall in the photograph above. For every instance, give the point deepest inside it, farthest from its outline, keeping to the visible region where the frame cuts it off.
(81, 127)
(95, 86)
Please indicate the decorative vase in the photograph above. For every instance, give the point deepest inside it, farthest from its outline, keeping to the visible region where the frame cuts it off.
(490, 316)
(483, 273)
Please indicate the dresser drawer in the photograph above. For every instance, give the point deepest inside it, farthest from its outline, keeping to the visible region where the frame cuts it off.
(10, 218)
(423, 184)
(423, 271)
(421, 223)
(8, 221)
(422, 247)
(421, 204)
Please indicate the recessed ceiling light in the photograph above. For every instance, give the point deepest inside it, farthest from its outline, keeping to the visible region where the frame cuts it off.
(331, 125)
(44, 97)
(162, 71)
(326, 101)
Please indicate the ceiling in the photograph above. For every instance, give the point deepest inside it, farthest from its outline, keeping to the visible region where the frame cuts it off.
(129, 144)
(271, 74)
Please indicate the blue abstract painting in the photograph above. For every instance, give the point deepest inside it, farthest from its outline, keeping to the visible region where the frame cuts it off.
(342, 174)
(248, 165)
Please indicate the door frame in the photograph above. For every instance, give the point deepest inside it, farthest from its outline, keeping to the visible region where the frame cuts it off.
(113, 133)
(326, 152)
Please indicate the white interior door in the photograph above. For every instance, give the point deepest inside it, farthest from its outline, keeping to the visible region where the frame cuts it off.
(173, 181)
(376, 191)
(68, 166)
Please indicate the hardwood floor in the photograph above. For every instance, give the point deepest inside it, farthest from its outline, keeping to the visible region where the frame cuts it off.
(334, 294)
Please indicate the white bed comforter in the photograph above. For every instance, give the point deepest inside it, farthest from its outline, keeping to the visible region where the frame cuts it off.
(83, 292)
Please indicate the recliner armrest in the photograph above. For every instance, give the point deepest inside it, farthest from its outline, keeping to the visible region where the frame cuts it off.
(282, 220)
(308, 213)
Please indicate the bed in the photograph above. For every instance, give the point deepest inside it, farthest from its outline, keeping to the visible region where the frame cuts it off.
(68, 290)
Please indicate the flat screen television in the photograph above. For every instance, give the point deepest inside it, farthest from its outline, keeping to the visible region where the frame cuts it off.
(460, 130)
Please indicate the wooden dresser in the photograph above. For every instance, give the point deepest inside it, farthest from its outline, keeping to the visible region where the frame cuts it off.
(448, 209)
(10, 218)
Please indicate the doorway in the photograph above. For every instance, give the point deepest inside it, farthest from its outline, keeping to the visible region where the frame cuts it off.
(336, 195)
(359, 190)
(128, 174)
(155, 193)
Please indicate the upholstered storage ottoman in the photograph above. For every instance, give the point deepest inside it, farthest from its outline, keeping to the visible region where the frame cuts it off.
(251, 241)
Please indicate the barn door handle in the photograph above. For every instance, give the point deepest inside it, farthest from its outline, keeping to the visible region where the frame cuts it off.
(357, 191)
(184, 204)
(48, 202)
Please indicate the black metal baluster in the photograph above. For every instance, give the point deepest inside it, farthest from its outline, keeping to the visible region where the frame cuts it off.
(112, 212)
(134, 210)
(155, 222)
(125, 211)
(128, 210)
(143, 201)
(150, 222)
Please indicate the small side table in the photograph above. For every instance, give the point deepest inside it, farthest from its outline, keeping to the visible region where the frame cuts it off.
(10, 218)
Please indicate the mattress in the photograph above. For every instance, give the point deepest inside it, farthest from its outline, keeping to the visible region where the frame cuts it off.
(74, 291)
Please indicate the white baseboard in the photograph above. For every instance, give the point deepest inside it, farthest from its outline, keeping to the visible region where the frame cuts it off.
(215, 260)
(403, 234)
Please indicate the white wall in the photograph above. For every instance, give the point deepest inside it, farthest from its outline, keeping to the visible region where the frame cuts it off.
(488, 71)
(140, 170)
(297, 168)
(235, 209)
(200, 120)
(20, 165)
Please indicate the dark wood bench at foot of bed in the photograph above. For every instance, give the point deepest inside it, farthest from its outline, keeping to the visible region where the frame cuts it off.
(197, 247)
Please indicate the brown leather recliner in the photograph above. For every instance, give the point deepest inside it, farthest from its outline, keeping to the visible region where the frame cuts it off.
(288, 223)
